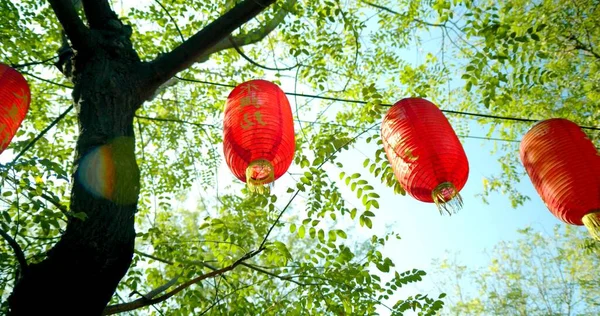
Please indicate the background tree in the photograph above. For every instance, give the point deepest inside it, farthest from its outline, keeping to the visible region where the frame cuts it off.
(538, 274)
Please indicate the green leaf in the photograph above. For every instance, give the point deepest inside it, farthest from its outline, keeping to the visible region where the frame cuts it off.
(375, 204)
(321, 235)
(368, 222)
(301, 231)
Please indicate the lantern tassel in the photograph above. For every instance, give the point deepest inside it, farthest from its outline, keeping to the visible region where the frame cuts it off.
(592, 223)
(260, 175)
(446, 198)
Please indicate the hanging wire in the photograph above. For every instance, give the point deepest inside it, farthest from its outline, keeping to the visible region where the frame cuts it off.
(480, 115)
(314, 96)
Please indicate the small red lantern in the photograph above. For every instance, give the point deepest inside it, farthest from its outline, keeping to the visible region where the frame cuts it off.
(564, 167)
(425, 153)
(258, 133)
(14, 103)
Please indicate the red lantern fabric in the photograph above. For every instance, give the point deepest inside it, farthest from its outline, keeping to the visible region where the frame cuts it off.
(564, 167)
(425, 153)
(258, 133)
(14, 103)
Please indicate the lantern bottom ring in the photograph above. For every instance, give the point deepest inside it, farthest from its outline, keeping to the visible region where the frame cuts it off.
(591, 221)
(259, 173)
(446, 198)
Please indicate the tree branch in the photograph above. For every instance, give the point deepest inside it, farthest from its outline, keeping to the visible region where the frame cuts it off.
(202, 263)
(190, 51)
(118, 308)
(98, 13)
(251, 37)
(76, 31)
(16, 248)
(228, 42)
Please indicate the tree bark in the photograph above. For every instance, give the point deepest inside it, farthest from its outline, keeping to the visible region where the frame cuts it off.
(81, 272)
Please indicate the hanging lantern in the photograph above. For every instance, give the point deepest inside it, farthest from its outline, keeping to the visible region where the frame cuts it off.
(564, 168)
(14, 103)
(425, 153)
(258, 133)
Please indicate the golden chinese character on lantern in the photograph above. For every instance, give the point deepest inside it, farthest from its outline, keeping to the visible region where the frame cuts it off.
(249, 100)
(247, 122)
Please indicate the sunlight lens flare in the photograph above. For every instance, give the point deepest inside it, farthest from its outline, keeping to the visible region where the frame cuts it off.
(110, 172)
(96, 172)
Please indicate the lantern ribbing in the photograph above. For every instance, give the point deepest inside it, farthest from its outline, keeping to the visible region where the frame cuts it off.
(564, 167)
(15, 98)
(425, 154)
(258, 134)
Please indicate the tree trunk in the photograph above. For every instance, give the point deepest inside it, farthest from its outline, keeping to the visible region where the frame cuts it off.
(81, 272)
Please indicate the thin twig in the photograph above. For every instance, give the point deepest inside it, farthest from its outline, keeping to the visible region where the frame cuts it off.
(41, 134)
(16, 248)
(298, 190)
(33, 63)
(46, 80)
(250, 60)
(169, 262)
(281, 277)
(586, 48)
(172, 20)
(174, 120)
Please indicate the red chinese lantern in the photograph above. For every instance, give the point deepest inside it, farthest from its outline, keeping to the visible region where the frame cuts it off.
(258, 140)
(425, 153)
(564, 168)
(14, 103)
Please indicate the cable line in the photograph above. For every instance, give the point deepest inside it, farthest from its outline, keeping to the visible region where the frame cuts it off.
(314, 96)
(320, 97)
